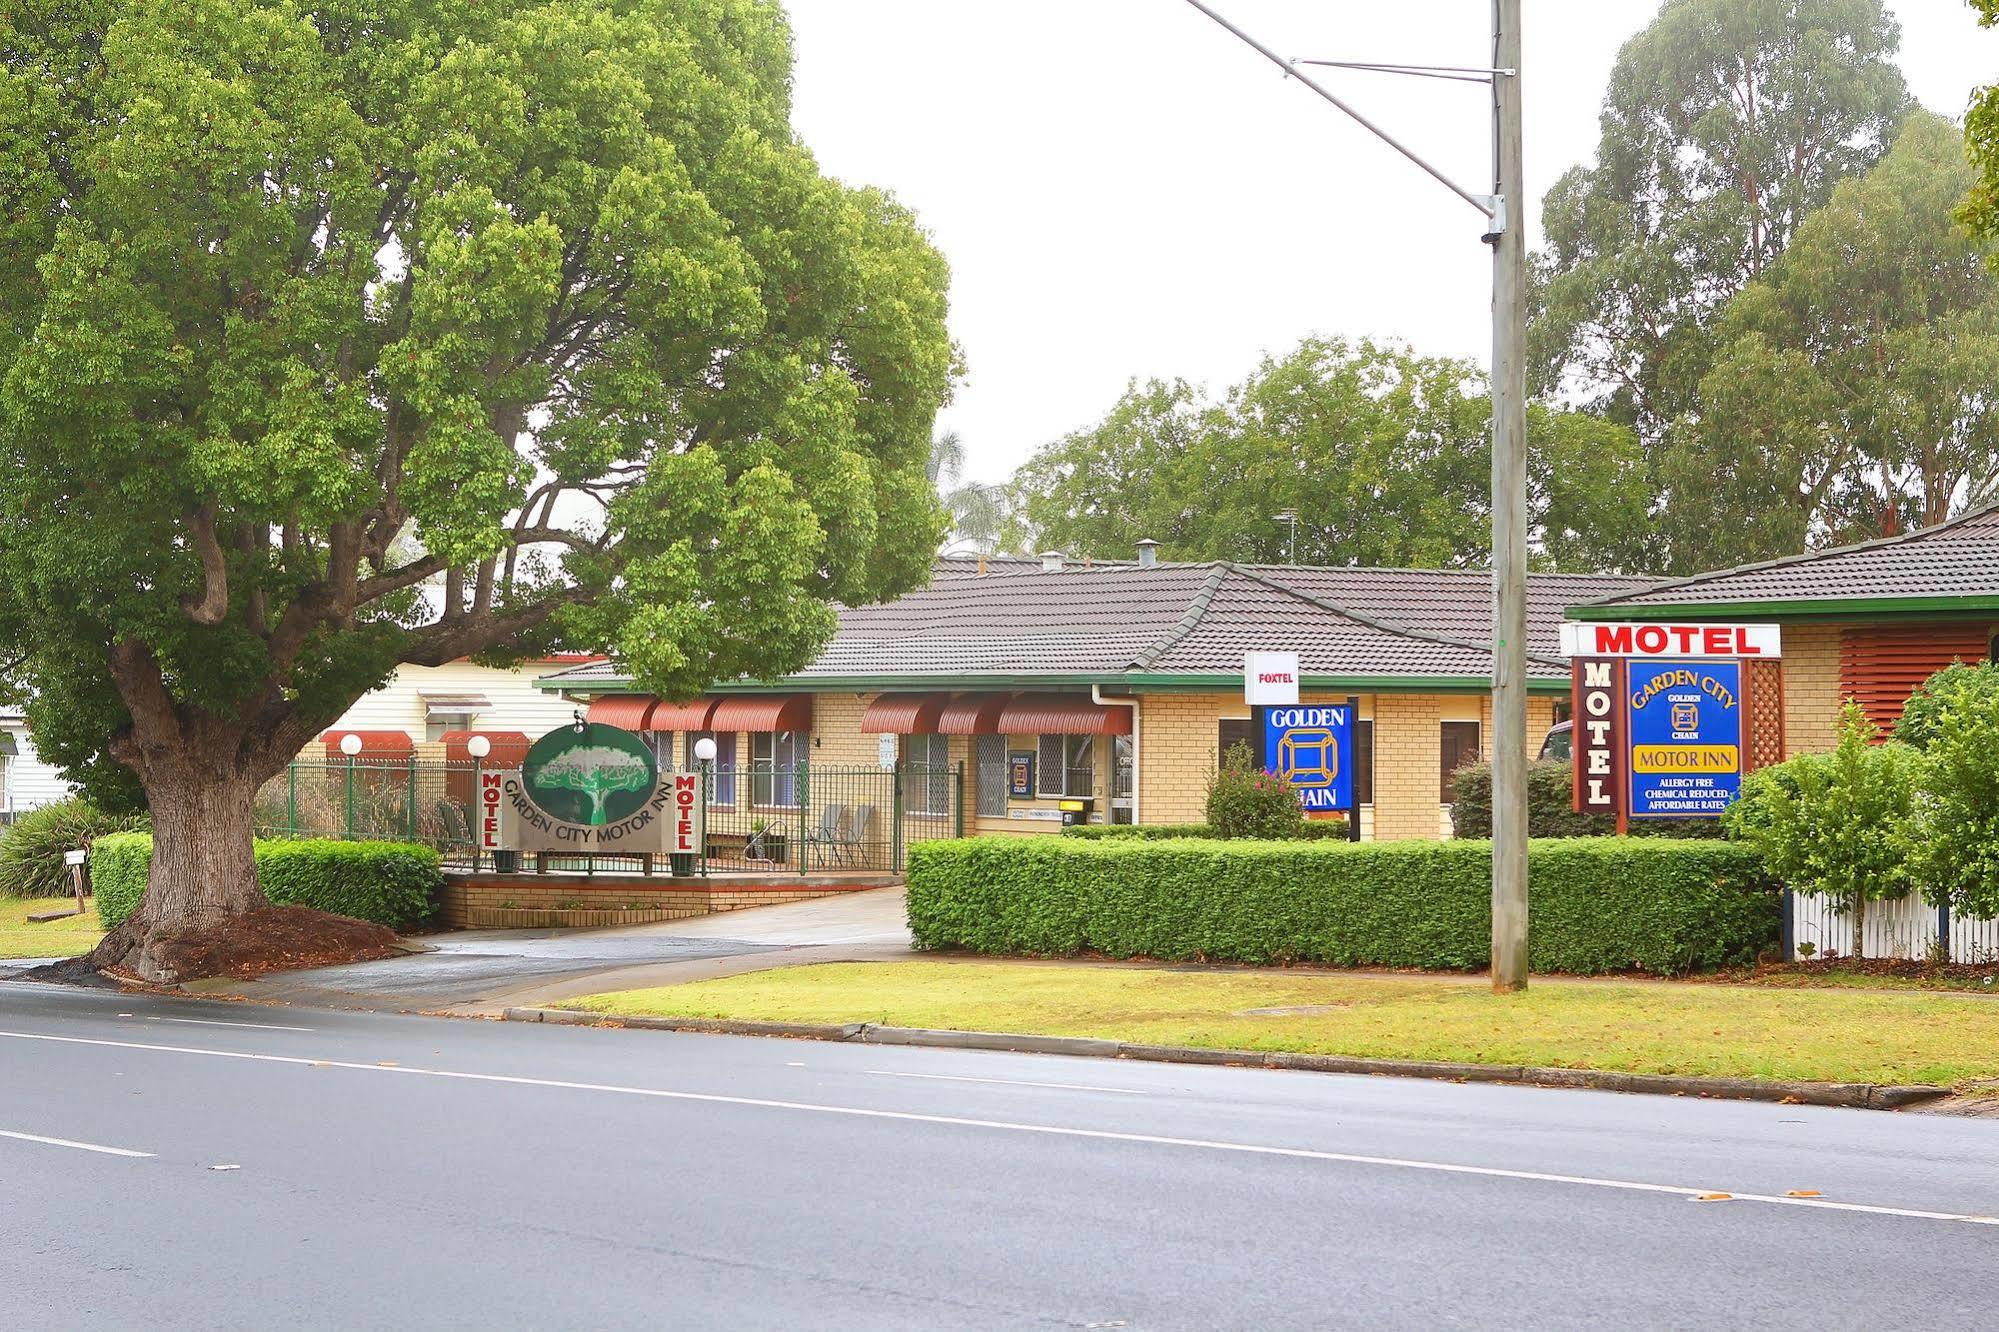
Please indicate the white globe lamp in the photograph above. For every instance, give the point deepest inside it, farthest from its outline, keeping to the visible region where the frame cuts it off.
(704, 749)
(478, 746)
(350, 744)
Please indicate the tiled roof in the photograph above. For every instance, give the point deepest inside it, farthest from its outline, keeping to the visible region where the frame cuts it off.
(1955, 559)
(1110, 622)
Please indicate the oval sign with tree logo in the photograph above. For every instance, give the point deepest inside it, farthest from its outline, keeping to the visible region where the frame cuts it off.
(595, 776)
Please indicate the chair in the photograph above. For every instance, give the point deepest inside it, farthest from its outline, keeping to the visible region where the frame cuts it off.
(831, 832)
(861, 832)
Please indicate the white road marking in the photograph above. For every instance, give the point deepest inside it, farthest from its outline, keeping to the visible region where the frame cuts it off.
(65, 1142)
(1048, 1130)
(1006, 1082)
(210, 1022)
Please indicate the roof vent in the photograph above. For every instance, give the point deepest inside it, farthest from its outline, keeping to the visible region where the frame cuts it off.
(1051, 561)
(1148, 553)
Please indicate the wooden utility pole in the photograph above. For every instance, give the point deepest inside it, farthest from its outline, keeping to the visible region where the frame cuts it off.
(1505, 210)
(1509, 510)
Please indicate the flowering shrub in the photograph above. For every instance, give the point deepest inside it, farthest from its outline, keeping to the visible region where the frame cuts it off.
(1245, 801)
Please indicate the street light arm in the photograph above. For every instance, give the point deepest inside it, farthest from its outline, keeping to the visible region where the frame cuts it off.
(1483, 203)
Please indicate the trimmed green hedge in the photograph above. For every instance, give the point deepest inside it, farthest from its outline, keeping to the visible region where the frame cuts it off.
(1597, 904)
(390, 883)
(1312, 830)
(1551, 807)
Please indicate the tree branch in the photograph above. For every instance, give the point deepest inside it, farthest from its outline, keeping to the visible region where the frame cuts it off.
(213, 605)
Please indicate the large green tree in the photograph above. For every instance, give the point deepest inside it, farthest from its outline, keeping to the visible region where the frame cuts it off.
(1726, 122)
(1383, 455)
(338, 335)
(1851, 394)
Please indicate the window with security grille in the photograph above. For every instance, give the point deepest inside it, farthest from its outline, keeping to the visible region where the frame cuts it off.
(1066, 765)
(926, 764)
(990, 755)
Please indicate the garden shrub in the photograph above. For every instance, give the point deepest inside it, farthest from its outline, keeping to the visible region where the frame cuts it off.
(1954, 837)
(31, 848)
(1551, 807)
(390, 883)
(1246, 801)
(1955, 687)
(1836, 824)
(1310, 830)
(1598, 904)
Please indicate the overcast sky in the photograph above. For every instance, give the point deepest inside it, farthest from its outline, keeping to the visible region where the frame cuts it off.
(1123, 189)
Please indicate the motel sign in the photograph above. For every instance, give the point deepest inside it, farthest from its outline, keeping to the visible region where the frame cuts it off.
(1659, 715)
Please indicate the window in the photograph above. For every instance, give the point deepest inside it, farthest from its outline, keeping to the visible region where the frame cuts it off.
(1233, 731)
(437, 723)
(1363, 762)
(1561, 713)
(926, 761)
(990, 755)
(1067, 765)
(774, 769)
(722, 795)
(1460, 749)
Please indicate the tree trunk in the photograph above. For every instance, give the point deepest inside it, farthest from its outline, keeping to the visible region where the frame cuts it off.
(204, 869)
(1859, 925)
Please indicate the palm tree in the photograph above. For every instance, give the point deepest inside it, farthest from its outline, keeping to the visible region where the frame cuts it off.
(979, 513)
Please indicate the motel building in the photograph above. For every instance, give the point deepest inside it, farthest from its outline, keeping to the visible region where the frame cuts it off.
(1056, 692)
(1795, 639)
(1868, 622)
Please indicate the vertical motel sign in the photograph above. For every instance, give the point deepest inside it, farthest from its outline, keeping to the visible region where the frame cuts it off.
(1659, 715)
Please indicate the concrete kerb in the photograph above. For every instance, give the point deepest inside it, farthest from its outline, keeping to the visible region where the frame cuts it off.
(1847, 1095)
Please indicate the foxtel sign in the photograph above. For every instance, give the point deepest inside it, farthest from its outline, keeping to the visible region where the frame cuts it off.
(1677, 641)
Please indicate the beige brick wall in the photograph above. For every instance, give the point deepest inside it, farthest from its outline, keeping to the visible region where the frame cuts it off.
(1811, 687)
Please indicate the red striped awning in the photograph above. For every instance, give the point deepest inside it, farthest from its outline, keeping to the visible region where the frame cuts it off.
(690, 716)
(509, 748)
(973, 714)
(1062, 714)
(628, 712)
(374, 744)
(763, 712)
(904, 714)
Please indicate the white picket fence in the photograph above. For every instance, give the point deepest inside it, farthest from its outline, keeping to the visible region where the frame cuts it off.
(1902, 927)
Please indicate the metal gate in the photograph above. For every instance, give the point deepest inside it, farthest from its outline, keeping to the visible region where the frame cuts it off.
(803, 818)
(811, 818)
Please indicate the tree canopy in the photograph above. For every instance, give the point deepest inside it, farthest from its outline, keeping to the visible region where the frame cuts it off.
(344, 334)
(1726, 122)
(1851, 394)
(1383, 455)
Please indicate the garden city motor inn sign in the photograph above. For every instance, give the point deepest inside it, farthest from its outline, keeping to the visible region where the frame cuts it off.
(1659, 715)
(590, 788)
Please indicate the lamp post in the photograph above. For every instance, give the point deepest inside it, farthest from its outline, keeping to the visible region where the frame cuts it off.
(1505, 211)
(478, 747)
(350, 745)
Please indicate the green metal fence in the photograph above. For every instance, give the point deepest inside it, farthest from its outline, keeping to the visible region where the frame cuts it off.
(761, 818)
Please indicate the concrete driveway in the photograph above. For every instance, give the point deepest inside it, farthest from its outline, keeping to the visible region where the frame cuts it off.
(483, 971)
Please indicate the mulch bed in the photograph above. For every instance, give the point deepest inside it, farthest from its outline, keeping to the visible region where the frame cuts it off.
(1965, 974)
(279, 938)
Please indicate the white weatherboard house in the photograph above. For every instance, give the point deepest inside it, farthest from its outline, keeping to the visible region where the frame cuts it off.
(25, 781)
(428, 711)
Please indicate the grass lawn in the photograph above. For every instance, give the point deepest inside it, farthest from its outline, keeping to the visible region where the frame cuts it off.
(55, 938)
(1629, 1026)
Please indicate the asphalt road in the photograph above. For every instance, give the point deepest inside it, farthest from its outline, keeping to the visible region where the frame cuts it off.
(306, 1168)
